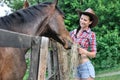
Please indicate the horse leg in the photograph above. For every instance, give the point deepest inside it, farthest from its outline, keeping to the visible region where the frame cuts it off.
(12, 66)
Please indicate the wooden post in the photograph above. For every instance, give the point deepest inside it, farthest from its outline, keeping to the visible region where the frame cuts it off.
(53, 64)
(43, 58)
(49, 64)
(34, 59)
(56, 62)
(63, 62)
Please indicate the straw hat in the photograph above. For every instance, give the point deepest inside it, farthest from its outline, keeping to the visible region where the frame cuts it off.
(91, 14)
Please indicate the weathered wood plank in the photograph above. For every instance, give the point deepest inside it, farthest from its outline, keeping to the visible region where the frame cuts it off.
(43, 58)
(55, 61)
(64, 62)
(14, 39)
(49, 64)
(34, 63)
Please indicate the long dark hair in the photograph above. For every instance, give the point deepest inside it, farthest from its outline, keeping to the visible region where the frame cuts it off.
(77, 30)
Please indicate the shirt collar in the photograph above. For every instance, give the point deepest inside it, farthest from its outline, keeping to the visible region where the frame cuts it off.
(87, 31)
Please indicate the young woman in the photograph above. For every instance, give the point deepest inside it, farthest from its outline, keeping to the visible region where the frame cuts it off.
(87, 40)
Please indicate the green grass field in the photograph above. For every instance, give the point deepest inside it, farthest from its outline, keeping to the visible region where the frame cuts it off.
(110, 70)
(115, 77)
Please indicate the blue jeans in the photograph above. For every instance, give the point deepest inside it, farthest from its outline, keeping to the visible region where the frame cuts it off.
(85, 70)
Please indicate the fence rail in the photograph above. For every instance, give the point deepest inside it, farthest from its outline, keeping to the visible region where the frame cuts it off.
(39, 55)
(17, 40)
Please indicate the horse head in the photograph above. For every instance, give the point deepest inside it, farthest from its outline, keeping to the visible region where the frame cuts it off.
(55, 25)
(44, 19)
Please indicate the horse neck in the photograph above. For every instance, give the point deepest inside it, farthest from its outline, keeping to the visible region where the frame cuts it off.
(28, 21)
(43, 27)
(30, 28)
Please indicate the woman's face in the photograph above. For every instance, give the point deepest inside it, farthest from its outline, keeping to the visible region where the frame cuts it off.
(84, 21)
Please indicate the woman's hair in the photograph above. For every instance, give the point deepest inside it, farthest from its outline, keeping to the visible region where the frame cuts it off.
(77, 30)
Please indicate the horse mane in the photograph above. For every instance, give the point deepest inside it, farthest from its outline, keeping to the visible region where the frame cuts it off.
(24, 17)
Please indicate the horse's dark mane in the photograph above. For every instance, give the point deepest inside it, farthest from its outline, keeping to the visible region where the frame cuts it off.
(26, 16)
(21, 16)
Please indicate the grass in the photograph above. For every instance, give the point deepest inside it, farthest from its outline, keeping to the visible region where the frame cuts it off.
(115, 77)
(114, 69)
(109, 70)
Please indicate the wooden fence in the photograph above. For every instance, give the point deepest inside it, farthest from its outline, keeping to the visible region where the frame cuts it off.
(40, 56)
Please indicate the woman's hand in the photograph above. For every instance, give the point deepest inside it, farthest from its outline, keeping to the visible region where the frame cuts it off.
(87, 53)
(82, 51)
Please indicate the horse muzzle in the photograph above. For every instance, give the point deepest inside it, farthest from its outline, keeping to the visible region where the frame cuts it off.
(68, 45)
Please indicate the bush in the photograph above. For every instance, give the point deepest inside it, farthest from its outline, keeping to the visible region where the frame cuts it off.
(107, 30)
(108, 46)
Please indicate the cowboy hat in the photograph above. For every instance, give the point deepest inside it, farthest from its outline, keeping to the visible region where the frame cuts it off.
(91, 14)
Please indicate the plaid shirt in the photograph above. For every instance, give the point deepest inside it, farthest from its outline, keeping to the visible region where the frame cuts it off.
(87, 39)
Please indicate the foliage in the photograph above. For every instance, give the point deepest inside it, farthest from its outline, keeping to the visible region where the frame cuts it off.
(108, 49)
(108, 13)
(27, 71)
(107, 31)
(18, 4)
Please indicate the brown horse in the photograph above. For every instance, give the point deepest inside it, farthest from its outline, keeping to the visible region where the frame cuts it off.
(45, 19)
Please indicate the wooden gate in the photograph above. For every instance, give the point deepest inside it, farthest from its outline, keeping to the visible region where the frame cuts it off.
(39, 55)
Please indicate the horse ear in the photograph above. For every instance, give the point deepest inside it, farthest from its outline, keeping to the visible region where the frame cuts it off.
(26, 4)
(55, 2)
